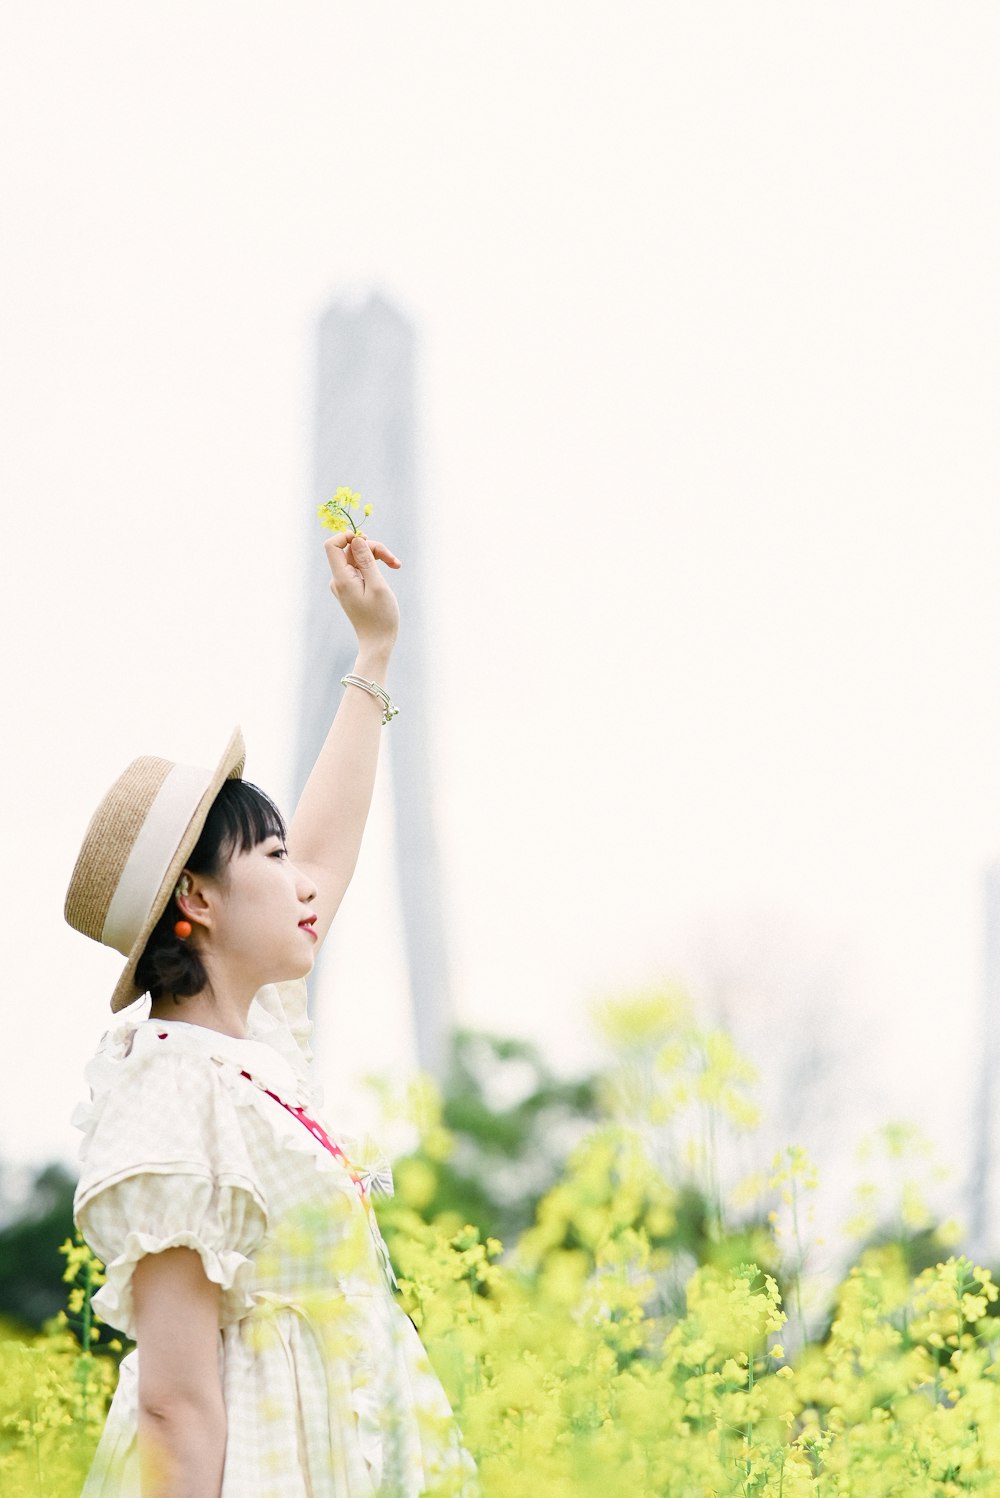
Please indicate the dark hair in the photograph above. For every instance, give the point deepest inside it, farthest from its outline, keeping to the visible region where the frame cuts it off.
(240, 817)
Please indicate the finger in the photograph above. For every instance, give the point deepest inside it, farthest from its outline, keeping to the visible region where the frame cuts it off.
(338, 554)
(382, 552)
(343, 564)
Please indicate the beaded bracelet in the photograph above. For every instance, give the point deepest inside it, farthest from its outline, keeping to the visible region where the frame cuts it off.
(374, 690)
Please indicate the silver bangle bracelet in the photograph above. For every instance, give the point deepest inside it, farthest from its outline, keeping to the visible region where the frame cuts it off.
(374, 690)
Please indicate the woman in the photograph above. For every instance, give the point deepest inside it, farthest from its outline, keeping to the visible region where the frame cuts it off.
(242, 1252)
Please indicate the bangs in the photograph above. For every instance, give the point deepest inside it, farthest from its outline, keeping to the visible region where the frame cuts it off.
(242, 816)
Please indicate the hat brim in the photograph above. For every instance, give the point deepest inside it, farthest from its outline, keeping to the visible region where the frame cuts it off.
(230, 767)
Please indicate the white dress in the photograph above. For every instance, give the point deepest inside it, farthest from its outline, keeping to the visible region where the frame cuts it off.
(190, 1141)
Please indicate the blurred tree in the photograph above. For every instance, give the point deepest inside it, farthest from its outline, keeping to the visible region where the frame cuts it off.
(523, 1155)
(511, 1123)
(31, 1267)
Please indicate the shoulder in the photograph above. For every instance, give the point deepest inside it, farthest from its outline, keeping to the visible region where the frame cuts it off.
(158, 1061)
(133, 1063)
(165, 1104)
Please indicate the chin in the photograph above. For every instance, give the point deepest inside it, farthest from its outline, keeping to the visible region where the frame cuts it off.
(304, 966)
(300, 967)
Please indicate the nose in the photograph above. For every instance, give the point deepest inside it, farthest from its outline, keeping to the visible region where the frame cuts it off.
(305, 888)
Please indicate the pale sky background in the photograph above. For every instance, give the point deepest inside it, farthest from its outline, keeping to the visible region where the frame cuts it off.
(708, 311)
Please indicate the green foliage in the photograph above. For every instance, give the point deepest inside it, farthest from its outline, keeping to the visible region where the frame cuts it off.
(512, 1121)
(500, 1136)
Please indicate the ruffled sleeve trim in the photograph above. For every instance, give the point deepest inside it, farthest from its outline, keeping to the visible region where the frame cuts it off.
(231, 1270)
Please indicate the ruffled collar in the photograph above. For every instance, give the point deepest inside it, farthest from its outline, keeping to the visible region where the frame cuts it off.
(265, 1065)
(270, 1052)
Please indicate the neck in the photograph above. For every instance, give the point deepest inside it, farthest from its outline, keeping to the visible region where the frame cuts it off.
(218, 1006)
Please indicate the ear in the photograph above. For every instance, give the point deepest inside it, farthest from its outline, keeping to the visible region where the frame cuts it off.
(192, 899)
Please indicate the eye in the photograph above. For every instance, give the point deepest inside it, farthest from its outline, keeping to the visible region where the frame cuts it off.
(281, 852)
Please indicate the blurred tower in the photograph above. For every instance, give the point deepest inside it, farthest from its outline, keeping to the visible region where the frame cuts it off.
(365, 438)
(984, 1227)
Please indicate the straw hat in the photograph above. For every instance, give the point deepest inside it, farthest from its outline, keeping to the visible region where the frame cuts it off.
(139, 839)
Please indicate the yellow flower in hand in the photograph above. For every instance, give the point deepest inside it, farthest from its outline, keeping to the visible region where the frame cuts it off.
(336, 515)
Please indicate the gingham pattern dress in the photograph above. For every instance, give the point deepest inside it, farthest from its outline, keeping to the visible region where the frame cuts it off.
(190, 1141)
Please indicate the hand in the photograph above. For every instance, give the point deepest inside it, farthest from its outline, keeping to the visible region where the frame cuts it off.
(361, 589)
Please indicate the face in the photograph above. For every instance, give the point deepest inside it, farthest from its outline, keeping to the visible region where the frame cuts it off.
(260, 916)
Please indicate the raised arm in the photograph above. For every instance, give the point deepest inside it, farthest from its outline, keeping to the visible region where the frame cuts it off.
(324, 837)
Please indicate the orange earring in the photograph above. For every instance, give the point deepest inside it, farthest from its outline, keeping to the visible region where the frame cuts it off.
(182, 929)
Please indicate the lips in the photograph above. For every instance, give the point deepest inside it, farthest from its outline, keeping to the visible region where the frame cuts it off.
(307, 926)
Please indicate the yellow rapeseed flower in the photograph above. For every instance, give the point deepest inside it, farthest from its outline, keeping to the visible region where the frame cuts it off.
(335, 514)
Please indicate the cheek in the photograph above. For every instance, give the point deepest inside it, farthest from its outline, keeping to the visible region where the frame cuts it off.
(248, 917)
(265, 911)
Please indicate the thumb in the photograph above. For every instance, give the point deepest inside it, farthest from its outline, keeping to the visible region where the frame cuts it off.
(361, 554)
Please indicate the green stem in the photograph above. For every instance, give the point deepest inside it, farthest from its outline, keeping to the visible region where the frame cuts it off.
(749, 1431)
(87, 1313)
(335, 507)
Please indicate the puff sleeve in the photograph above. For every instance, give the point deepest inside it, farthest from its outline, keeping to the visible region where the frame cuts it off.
(165, 1165)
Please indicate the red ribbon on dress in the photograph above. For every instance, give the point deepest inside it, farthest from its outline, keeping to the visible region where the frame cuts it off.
(318, 1132)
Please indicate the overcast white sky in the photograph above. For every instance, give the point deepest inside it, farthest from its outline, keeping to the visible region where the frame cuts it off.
(708, 313)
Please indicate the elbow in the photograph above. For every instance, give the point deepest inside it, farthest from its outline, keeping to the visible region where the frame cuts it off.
(176, 1406)
(180, 1420)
